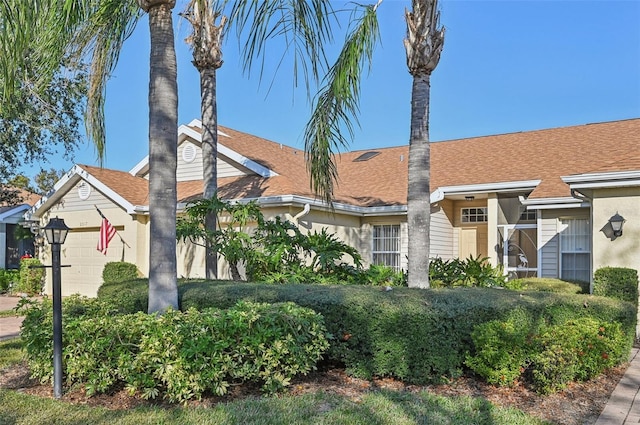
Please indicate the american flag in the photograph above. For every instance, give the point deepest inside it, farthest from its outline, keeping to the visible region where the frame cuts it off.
(107, 232)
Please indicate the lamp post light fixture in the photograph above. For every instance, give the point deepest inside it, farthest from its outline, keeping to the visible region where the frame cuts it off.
(617, 221)
(56, 232)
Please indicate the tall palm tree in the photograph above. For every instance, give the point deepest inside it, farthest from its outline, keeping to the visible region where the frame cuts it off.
(97, 28)
(206, 42)
(336, 107)
(423, 45)
(307, 27)
(163, 156)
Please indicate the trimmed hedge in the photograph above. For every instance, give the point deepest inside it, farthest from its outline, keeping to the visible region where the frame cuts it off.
(119, 271)
(616, 282)
(419, 336)
(545, 285)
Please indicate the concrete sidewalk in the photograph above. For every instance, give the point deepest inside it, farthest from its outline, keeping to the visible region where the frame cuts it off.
(9, 326)
(623, 408)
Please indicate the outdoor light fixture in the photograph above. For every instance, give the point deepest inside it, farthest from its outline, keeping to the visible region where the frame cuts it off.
(469, 198)
(56, 233)
(616, 222)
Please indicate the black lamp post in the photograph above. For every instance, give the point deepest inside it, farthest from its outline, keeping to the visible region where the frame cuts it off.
(56, 233)
(617, 221)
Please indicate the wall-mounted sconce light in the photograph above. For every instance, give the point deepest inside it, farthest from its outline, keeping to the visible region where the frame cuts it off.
(616, 222)
(469, 198)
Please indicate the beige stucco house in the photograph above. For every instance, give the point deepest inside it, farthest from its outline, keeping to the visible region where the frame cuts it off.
(537, 202)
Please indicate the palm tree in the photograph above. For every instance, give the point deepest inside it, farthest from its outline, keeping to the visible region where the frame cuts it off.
(206, 41)
(336, 107)
(54, 29)
(307, 27)
(423, 44)
(163, 156)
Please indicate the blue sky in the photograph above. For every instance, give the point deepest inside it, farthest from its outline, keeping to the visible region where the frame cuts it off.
(506, 66)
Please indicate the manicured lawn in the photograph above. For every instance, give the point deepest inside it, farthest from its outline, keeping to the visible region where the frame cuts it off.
(384, 407)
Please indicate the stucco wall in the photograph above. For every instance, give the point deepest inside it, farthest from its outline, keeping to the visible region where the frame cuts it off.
(623, 251)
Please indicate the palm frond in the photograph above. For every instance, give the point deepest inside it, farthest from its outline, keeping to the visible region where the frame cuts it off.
(304, 24)
(337, 105)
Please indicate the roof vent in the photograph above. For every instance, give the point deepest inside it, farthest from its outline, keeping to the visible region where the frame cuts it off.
(366, 156)
(189, 152)
(84, 190)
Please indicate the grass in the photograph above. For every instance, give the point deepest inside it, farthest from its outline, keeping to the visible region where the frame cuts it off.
(9, 313)
(380, 408)
(383, 407)
(10, 353)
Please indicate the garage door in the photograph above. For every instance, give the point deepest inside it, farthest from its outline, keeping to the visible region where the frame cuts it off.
(84, 276)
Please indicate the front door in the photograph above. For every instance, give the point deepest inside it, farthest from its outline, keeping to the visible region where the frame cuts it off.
(519, 250)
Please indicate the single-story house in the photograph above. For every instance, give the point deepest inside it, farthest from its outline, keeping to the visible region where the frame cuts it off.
(537, 202)
(15, 241)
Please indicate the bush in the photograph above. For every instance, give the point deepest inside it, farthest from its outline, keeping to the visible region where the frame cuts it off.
(577, 350)
(419, 336)
(545, 285)
(180, 355)
(470, 272)
(616, 282)
(119, 271)
(8, 278)
(503, 347)
(546, 356)
(31, 277)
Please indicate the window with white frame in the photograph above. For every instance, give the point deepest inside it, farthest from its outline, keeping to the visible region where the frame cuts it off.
(386, 245)
(575, 250)
(473, 215)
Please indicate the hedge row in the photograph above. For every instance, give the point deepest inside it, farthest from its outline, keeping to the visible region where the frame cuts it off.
(616, 282)
(415, 335)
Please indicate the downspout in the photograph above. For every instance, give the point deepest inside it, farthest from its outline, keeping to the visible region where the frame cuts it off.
(305, 211)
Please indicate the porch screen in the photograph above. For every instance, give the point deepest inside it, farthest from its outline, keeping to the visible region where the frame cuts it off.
(386, 245)
(575, 250)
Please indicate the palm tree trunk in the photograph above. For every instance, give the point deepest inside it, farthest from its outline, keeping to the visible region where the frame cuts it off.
(163, 142)
(418, 197)
(209, 111)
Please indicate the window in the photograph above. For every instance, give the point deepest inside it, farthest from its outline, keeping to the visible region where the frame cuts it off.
(575, 250)
(473, 215)
(386, 245)
(528, 215)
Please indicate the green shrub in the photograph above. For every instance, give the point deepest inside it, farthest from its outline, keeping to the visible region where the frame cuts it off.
(470, 272)
(130, 297)
(503, 347)
(381, 275)
(419, 336)
(31, 277)
(616, 282)
(8, 278)
(37, 328)
(546, 356)
(545, 285)
(179, 355)
(577, 350)
(119, 271)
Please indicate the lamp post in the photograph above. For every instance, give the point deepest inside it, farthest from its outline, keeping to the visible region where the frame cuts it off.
(56, 233)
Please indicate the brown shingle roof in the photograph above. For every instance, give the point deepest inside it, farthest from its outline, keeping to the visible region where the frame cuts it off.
(542, 154)
(382, 180)
(134, 189)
